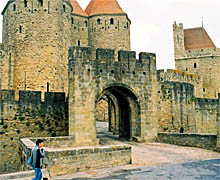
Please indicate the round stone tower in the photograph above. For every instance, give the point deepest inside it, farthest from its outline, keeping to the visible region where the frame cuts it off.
(109, 25)
(79, 25)
(37, 35)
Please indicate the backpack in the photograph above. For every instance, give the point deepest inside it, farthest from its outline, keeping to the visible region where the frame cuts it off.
(30, 159)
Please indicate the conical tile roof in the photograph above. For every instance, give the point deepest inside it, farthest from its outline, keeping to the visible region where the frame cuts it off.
(197, 38)
(96, 7)
(76, 8)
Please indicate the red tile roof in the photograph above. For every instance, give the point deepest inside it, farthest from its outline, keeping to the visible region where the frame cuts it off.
(103, 7)
(197, 38)
(76, 8)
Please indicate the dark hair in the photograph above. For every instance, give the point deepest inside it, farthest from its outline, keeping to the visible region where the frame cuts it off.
(39, 141)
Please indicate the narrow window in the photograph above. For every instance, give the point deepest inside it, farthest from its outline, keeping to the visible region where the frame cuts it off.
(72, 20)
(78, 42)
(86, 23)
(203, 89)
(14, 7)
(98, 21)
(20, 29)
(40, 2)
(195, 65)
(64, 8)
(186, 69)
(48, 86)
(25, 3)
(111, 21)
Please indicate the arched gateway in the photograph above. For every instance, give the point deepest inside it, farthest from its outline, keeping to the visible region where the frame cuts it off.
(128, 83)
(124, 111)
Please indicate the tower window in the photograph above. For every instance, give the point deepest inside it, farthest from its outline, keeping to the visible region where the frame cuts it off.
(98, 21)
(72, 20)
(78, 42)
(203, 89)
(14, 7)
(64, 8)
(195, 65)
(111, 21)
(127, 25)
(25, 3)
(20, 29)
(40, 2)
(86, 23)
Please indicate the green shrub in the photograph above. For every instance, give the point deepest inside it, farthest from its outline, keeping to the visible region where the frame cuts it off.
(21, 118)
(2, 122)
(5, 126)
(56, 123)
(53, 134)
(182, 130)
(28, 124)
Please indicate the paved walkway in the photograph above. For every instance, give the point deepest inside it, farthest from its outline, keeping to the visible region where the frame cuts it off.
(156, 161)
(205, 170)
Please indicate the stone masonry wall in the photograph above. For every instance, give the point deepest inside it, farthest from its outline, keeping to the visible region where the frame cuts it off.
(111, 36)
(64, 161)
(206, 111)
(5, 72)
(182, 77)
(206, 67)
(79, 30)
(180, 111)
(90, 78)
(202, 62)
(38, 38)
(194, 140)
(28, 117)
(175, 107)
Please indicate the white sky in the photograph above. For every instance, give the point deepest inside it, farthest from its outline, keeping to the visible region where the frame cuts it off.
(152, 20)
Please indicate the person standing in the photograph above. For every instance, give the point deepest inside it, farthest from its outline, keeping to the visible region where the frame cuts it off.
(38, 155)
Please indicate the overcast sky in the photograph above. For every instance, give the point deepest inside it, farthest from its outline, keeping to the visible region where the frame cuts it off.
(152, 20)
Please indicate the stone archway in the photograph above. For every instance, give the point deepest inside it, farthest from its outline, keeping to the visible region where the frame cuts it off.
(131, 81)
(124, 115)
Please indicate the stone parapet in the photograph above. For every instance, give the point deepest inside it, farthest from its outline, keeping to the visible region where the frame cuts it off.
(200, 53)
(206, 141)
(60, 161)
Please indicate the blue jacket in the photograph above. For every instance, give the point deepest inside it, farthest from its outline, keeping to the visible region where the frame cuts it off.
(38, 155)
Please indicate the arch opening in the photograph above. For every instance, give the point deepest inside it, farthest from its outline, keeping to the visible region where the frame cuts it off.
(123, 112)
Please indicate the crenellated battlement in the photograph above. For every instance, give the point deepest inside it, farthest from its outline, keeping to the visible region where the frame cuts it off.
(203, 103)
(33, 98)
(200, 53)
(178, 76)
(178, 26)
(106, 57)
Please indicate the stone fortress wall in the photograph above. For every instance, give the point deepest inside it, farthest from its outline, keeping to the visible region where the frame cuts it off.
(33, 36)
(175, 75)
(202, 62)
(109, 33)
(34, 58)
(128, 79)
(28, 116)
(37, 35)
(180, 111)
